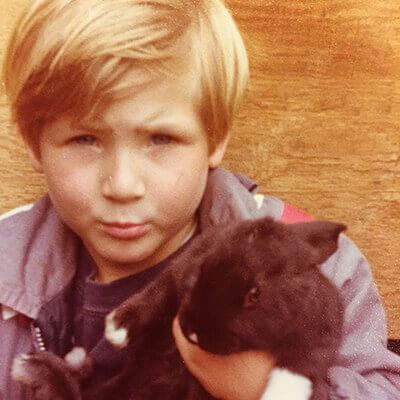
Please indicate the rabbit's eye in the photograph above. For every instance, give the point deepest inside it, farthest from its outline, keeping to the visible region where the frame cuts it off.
(252, 296)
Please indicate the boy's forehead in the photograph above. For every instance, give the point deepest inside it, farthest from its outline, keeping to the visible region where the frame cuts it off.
(152, 95)
(159, 104)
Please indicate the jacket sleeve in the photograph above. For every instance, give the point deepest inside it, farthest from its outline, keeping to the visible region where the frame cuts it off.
(365, 368)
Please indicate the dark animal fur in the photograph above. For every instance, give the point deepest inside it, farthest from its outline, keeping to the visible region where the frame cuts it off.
(252, 285)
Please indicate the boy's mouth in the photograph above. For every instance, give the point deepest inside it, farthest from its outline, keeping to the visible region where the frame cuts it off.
(124, 230)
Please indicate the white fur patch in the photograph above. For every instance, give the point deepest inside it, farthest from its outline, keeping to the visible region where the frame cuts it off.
(118, 337)
(76, 358)
(18, 369)
(286, 385)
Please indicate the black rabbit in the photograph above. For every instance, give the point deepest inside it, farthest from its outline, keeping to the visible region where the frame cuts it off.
(254, 284)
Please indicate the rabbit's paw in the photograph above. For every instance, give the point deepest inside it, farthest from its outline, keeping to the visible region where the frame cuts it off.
(48, 375)
(24, 371)
(120, 325)
(115, 334)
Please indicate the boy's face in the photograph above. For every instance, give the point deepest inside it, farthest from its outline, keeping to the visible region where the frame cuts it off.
(130, 180)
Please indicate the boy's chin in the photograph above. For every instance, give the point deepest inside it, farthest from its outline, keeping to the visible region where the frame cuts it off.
(121, 261)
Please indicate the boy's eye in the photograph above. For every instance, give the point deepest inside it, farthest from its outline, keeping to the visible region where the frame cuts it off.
(88, 140)
(161, 139)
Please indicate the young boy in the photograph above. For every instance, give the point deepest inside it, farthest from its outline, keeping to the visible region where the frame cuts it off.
(125, 107)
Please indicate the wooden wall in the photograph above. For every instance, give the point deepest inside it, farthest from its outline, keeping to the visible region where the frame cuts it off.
(319, 126)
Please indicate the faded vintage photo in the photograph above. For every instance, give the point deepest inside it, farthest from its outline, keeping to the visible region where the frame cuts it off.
(199, 199)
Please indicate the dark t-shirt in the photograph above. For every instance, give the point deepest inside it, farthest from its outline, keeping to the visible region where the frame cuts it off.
(93, 301)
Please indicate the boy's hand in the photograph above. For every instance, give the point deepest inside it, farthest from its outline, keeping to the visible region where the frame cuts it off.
(241, 376)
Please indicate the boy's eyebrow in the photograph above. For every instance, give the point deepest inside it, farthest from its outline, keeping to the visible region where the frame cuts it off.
(169, 126)
(91, 126)
(98, 126)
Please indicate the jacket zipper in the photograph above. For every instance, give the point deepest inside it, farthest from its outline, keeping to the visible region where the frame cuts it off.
(39, 338)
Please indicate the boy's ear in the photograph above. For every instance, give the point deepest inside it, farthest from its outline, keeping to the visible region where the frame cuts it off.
(321, 237)
(216, 156)
(34, 158)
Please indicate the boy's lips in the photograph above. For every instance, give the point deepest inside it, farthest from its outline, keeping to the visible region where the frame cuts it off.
(124, 231)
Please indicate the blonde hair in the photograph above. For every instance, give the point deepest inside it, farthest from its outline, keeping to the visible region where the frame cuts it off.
(68, 56)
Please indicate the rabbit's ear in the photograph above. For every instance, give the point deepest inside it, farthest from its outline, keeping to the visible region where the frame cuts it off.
(321, 239)
(260, 229)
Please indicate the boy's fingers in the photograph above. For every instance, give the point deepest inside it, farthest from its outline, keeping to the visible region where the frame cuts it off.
(240, 376)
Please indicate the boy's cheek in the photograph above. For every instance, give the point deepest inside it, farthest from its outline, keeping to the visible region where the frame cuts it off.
(70, 193)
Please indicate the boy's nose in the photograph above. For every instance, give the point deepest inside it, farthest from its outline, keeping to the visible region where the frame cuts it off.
(123, 178)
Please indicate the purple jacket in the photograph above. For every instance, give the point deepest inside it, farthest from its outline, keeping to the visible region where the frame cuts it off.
(38, 258)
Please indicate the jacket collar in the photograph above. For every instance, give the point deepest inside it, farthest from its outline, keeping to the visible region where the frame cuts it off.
(228, 197)
(38, 258)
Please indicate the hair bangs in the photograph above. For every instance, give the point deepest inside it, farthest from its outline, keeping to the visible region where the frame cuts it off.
(77, 55)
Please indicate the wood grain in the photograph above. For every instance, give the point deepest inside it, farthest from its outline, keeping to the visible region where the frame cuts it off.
(319, 126)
